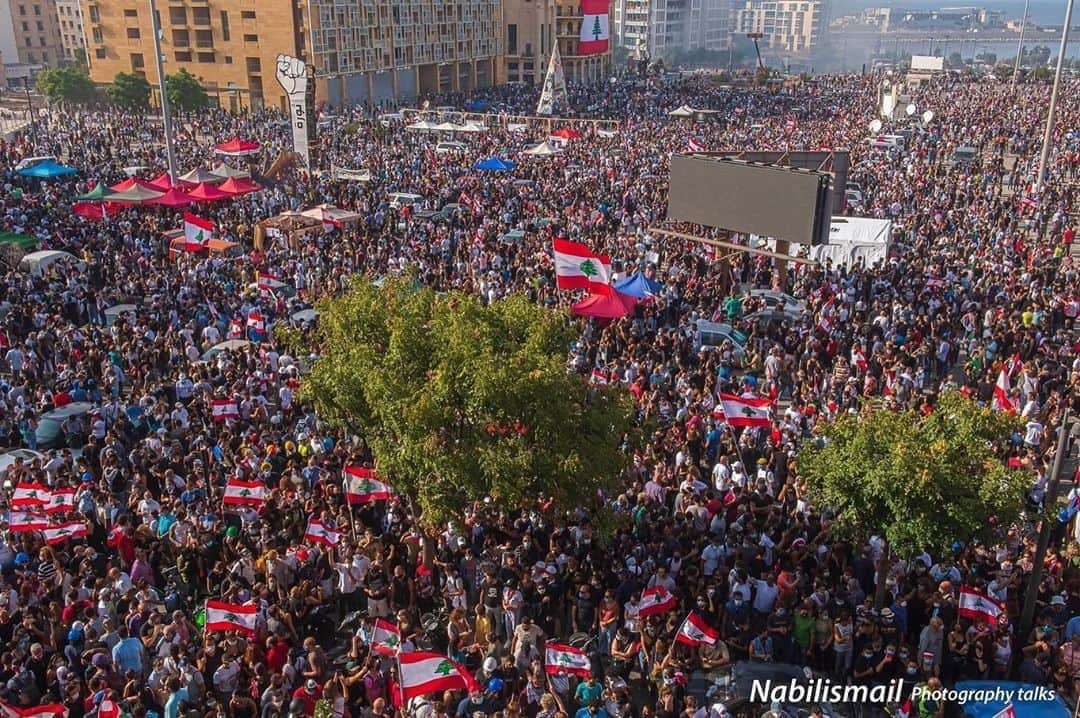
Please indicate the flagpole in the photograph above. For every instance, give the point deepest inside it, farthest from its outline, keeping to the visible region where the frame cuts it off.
(352, 521)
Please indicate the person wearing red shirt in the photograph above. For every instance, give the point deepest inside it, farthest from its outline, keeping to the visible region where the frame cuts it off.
(277, 654)
(308, 694)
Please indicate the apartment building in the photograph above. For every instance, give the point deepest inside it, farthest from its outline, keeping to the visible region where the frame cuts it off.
(357, 50)
(69, 13)
(29, 36)
(529, 27)
(578, 67)
(792, 26)
(669, 27)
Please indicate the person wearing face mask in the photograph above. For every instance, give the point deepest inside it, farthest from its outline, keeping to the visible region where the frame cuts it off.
(736, 613)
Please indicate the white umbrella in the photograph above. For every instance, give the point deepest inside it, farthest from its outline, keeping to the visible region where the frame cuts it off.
(420, 126)
(682, 111)
(544, 149)
(447, 127)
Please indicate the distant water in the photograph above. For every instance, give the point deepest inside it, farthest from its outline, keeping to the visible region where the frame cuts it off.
(1042, 12)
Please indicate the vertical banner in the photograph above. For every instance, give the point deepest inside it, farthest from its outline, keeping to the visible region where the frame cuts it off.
(292, 76)
(594, 27)
(553, 94)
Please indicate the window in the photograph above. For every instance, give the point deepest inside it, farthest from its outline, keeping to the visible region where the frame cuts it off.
(200, 16)
(95, 14)
(511, 39)
(180, 38)
(25, 26)
(528, 49)
(204, 38)
(133, 33)
(37, 9)
(224, 25)
(178, 16)
(22, 9)
(131, 13)
(251, 37)
(247, 14)
(183, 57)
(206, 57)
(40, 26)
(41, 41)
(137, 62)
(96, 34)
(99, 53)
(29, 42)
(228, 59)
(254, 64)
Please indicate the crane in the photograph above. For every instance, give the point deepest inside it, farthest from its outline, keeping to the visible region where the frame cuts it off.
(755, 36)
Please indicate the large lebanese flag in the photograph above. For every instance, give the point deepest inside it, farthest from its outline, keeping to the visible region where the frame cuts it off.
(22, 521)
(59, 533)
(743, 411)
(30, 496)
(47, 710)
(224, 409)
(245, 493)
(594, 27)
(561, 659)
(318, 532)
(60, 500)
(361, 486)
(655, 600)
(422, 673)
(1002, 402)
(384, 638)
(977, 606)
(197, 232)
(576, 267)
(695, 632)
(221, 616)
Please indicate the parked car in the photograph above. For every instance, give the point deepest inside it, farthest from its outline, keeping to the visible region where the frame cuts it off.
(50, 428)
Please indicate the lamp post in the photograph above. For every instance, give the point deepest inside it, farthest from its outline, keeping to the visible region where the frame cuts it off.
(1050, 114)
(1020, 43)
(166, 119)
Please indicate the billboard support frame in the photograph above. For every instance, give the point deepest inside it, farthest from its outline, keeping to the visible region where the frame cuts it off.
(732, 246)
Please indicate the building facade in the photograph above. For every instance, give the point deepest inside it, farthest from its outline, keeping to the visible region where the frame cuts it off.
(668, 27)
(529, 35)
(791, 26)
(29, 36)
(69, 13)
(577, 67)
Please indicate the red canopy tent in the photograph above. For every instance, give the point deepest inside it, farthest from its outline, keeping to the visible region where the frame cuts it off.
(237, 147)
(136, 194)
(163, 183)
(173, 198)
(132, 182)
(567, 133)
(207, 193)
(605, 306)
(97, 211)
(237, 186)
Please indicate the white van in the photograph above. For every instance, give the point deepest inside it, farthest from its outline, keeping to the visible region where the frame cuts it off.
(36, 263)
(390, 118)
(29, 162)
(444, 148)
(402, 199)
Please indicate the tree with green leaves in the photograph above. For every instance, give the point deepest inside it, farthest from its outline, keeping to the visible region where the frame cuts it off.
(920, 481)
(186, 93)
(130, 90)
(67, 85)
(462, 402)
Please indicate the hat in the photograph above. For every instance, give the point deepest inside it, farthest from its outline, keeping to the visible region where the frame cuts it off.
(762, 461)
(886, 613)
(1057, 601)
(21, 559)
(310, 685)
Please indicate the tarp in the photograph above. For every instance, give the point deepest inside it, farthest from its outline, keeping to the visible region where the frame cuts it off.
(495, 164)
(605, 306)
(1040, 706)
(855, 238)
(173, 198)
(638, 285)
(131, 183)
(682, 111)
(208, 193)
(566, 133)
(223, 170)
(421, 126)
(97, 194)
(19, 240)
(544, 149)
(200, 175)
(236, 147)
(96, 211)
(48, 170)
(163, 183)
(136, 195)
(239, 186)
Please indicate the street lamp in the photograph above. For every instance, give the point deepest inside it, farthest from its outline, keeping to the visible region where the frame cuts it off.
(166, 119)
(1048, 134)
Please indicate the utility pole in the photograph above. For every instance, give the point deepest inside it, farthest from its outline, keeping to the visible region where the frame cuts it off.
(1049, 134)
(1020, 44)
(1031, 592)
(30, 111)
(166, 119)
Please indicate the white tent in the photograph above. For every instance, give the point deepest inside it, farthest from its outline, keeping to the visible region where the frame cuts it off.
(854, 238)
(516, 127)
(421, 126)
(472, 127)
(225, 170)
(447, 127)
(681, 111)
(544, 149)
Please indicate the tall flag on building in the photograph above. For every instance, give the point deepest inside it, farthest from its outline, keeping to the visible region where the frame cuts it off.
(594, 27)
(577, 267)
(197, 232)
(553, 95)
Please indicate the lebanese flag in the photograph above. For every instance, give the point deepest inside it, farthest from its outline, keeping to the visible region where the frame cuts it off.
(224, 409)
(1014, 364)
(221, 616)
(1002, 402)
(263, 280)
(318, 532)
(740, 411)
(361, 486)
(694, 146)
(791, 123)
(25, 521)
(30, 496)
(197, 232)
(824, 315)
(1009, 711)
(655, 600)
(599, 377)
(47, 710)
(59, 533)
(236, 329)
(384, 638)
(576, 267)
(977, 606)
(594, 27)
(245, 493)
(470, 201)
(934, 284)
(60, 500)
(256, 324)
(1029, 202)
(422, 673)
(561, 659)
(695, 632)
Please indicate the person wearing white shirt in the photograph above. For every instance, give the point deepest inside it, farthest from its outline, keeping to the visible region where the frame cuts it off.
(711, 556)
(765, 594)
(721, 475)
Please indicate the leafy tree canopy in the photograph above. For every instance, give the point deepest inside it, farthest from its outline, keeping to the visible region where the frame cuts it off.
(186, 93)
(130, 90)
(68, 84)
(460, 401)
(922, 482)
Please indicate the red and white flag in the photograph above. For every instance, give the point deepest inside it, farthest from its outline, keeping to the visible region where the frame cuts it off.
(224, 409)
(59, 533)
(599, 377)
(30, 496)
(470, 201)
(593, 39)
(384, 637)
(695, 632)
(561, 660)
(422, 673)
(655, 600)
(694, 146)
(361, 486)
(1009, 711)
(1002, 402)
(318, 532)
(825, 322)
(245, 493)
(977, 606)
(236, 329)
(1029, 202)
(1014, 364)
(46, 710)
(60, 500)
(197, 232)
(934, 284)
(743, 411)
(22, 521)
(221, 616)
(265, 281)
(791, 123)
(577, 267)
(256, 322)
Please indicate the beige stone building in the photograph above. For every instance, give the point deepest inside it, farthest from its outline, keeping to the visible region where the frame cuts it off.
(529, 35)
(69, 14)
(580, 68)
(30, 33)
(793, 26)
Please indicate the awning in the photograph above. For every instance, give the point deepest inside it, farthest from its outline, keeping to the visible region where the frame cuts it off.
(200, 175)
(204, 192)
(48, 170)
(237, 147)
(605, 306)
(173, 198)
(136, 194)
(236, 186)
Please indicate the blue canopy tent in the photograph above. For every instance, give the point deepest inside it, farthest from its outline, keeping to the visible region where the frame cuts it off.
(1033, 705)
(476, 105)
(494, 164)
(47, 170)
(638, 285)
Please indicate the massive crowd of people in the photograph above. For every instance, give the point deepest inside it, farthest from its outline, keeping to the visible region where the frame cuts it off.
(112, 622)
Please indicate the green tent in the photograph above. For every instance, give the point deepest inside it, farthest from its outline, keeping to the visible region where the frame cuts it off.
(20, 240)
(100, 192)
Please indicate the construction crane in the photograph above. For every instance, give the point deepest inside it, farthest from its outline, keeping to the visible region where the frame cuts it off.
(755, 36)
